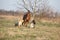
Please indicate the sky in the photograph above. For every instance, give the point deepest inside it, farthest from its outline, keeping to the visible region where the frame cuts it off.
(8, 4)
(55, 4)
(12, 4)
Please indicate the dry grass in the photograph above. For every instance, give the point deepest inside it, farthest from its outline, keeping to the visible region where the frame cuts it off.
(44, 30)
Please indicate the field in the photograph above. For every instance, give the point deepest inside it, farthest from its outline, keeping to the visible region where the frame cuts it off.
(44, 30)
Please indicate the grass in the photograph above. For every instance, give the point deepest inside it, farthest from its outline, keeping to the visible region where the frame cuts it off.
(49, 24)
(42, 31)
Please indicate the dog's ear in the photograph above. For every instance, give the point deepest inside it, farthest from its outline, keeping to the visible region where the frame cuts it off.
(34, 21)
(16, 24)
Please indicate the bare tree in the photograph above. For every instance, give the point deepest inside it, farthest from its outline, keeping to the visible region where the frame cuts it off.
(32, 5)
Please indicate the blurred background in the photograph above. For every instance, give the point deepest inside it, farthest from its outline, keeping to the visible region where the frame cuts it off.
(49, 8)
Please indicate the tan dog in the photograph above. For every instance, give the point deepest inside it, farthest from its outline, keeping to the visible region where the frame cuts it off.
(20, 23)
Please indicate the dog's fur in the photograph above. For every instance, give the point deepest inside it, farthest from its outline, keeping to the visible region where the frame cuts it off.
(32, 25)
(19, 23)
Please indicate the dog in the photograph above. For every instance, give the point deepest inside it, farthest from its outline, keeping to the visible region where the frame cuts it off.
(19, 23)
(32, 24)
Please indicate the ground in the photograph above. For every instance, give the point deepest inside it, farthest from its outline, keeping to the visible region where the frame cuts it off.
(44, 30)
